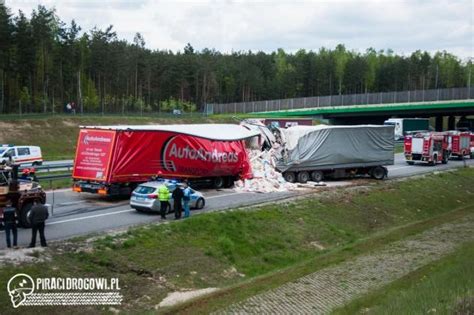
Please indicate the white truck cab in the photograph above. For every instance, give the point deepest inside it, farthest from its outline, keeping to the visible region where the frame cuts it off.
(22, 154)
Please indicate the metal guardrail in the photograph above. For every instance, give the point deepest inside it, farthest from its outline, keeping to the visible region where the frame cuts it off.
(49, 168)
(52, 177)
(448, 94)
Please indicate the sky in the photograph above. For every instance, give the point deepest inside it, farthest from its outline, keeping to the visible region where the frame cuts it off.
(403, 26)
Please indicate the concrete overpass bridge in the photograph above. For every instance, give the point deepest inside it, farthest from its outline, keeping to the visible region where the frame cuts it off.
(445, 106)
(377, 114)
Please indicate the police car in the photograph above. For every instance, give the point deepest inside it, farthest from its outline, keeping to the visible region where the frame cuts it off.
(145, 196)
(21, 154)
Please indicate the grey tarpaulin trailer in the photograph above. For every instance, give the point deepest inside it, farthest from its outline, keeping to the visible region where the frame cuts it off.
(313, 152)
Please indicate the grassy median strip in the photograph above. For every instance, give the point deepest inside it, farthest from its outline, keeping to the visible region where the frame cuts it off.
(443, 287)
(250, 251)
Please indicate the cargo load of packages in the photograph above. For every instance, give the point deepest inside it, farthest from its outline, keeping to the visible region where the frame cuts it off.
(313, 153)
(112, 160)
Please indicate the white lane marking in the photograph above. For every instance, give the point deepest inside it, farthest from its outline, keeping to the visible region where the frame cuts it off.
(116, 212)
(70, 203)
(225, 195)
(90, 216)
(59, 190)
(398, 168)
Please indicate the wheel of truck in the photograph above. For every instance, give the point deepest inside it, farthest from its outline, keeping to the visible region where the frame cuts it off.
(378, 172)
(229, 182)
(317, 176)
(435, 160)
(289, 177)
(37, 163)
(219, 182)
(303, 177)
(445, 159)
(410, 162)
(25, 210)
(200, 203)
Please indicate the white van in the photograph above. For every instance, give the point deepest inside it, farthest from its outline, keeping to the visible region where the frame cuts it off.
(21, 154)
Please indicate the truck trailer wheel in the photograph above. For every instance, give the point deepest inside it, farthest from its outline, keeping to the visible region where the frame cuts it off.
(378, 172)
(290, 177)
(25, 210)
(303, 177)
(317, 176)
(229, 182)
(445, 159)
(219, 182)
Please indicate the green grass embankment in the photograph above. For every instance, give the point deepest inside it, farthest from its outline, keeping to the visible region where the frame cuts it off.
(250, 251)
(443, 287)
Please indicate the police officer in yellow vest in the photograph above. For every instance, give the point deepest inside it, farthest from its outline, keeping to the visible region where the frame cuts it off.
(164, 196)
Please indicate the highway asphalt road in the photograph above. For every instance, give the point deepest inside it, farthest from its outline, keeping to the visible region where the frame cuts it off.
(76, 214)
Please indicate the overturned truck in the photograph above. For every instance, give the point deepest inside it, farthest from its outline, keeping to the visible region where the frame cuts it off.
(113, 160)
(316, 152)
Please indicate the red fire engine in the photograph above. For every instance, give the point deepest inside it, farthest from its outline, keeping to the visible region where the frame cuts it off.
(459, 143)
(427, 147)
(472, 145)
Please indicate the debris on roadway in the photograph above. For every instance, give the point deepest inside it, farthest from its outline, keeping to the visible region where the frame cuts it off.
(265, 177)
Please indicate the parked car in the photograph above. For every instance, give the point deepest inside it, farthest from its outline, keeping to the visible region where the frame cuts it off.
(20, 154)
(145, 196)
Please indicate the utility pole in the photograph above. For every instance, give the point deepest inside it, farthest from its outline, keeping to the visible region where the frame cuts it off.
(469, 64)
(436, 82)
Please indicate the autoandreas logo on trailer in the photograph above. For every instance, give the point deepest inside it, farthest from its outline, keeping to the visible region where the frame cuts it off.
(100, 139)
(184, 148)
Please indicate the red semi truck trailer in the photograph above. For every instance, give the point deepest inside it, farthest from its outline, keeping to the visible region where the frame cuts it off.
(113, 160)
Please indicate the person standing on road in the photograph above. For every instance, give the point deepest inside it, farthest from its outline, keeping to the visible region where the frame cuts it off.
(186, 198)
(37, 216)
(177, 196)
(164, 196)
(9, 221)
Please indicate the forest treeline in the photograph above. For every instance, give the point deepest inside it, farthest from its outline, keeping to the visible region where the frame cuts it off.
(46, 63)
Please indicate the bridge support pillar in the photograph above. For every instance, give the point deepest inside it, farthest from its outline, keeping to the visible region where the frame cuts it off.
(439, 123)
(451, 122)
